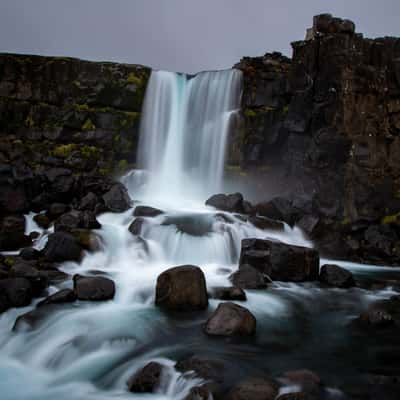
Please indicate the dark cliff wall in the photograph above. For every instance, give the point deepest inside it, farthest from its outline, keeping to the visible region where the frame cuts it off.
(65, 112)
(329, 122)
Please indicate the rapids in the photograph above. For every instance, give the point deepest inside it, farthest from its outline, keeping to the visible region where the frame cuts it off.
(88, 350)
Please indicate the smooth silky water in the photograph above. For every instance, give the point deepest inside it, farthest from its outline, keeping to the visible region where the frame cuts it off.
(88, 350)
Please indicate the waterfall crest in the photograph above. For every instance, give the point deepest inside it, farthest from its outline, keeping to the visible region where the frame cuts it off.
(185, 125)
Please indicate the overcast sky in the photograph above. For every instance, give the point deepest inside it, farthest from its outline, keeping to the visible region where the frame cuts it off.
(177, 35)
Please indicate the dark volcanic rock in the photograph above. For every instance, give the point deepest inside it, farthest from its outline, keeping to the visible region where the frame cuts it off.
(37, 280)
(117, 199)
(60, 297)
(12, 233)
(15, 292)
(146, 211)
(280, 209)
(231, 202)
(61, 247)
(333, 275)
(230, 319)
(182, 288)
(147, 380)
(248, 277)
(136, 226)
(280, 261)
(254, 389)
(93, 288)
(88, 202)
(266, 223)
(228, 293)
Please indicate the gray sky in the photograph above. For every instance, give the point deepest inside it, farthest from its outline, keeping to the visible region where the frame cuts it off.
(177, 35)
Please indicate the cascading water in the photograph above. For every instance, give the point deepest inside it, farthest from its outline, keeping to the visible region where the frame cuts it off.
(87, 350)
(185, 125)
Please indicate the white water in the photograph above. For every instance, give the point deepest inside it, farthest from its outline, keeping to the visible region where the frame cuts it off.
(88, 350)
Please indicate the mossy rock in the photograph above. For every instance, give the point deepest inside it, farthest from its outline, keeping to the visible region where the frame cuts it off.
(88, 125)
(391, 219)
(64, 150)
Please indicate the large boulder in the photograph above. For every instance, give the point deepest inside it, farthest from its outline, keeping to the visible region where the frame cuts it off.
(117, 199)
(62, 246)
(232, 293)
(146, 211)
(15, 292)
(280, 209)
(60, 297)
(280, 261)
(265, 223)
(230, 319)
(37, 280)
(93, 288)
(333, 275)
(12, 233)
(248, 277)
(182, 288)
(147, 380)
(254, 389)
(227, 202)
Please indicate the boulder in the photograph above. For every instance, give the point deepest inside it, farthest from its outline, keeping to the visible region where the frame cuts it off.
(62, 246)
(265, 223)
(382, 314)
(93, 288)
(280, 261)
(136, 226)
(191, 224)
(117, 199)
(76, 220)
(147, 380)
(60, 297)
(230, 319)
(55, 210)
(228, 293)
(15, 292)
(248, 277)
(280, 209)
(182, 288)
(42, 220)
(88, 202)
(254, 389)
(199, 393)
(146, 211)
(333, 275)
(227, 202)
(29, 254)
(38, 281)
(12, 233)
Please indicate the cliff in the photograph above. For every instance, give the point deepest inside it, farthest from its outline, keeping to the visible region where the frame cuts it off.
(329, 122)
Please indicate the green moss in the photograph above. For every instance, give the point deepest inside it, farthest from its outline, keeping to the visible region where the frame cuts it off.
(64, 150)
(90, 152)
(29, 123)
(122, 165)
(104, 171)
(88, 125)
(250, 113)
(134, 80)
(82, 107)
(9, 262)
(391, 219)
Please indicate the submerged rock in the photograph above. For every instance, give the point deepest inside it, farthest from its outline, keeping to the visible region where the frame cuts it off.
(254, 389)
(228, 293)
(191, 224)
(230, 319)
(146, 211)
(280, 261)
(182, 288)
(60, 297)
(227, 202)
(147, 380)
(333, 275)
(93, 288)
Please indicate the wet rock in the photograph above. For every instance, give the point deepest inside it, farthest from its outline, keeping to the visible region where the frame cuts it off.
(146, 211)
(231, 202)
(136, 226)
(54, 276)
(16, 292)
(333, 275)
(38, 281)
(228, 293)
(88, 202)
(230, 319)
(76, 220)
(55, 210)
(248, 277)
(309, 382)
(88, 220)
(280, 261)
(254, 389)
(93, 288)
(382, 314)
(12, 233)
(199, 393)
(147, 380)
(29, 253)
(309, 225)
(30, 320)
(62, 246)
(117, 199)
(280, 209)
(191, 224)
(296, 396)
(60, 297)
(266, 223)
(182, 288)
(42, 220)
(87, 239)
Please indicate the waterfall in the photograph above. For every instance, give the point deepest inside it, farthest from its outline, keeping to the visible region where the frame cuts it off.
(185, 126)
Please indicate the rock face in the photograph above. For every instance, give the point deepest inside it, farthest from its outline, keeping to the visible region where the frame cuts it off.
(280, 261)
(93, 288)
(327, 124)
(334, 275)
(182, 288)
(230, 319)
